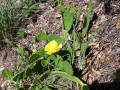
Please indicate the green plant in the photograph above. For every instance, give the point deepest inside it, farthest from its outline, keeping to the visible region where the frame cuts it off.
(9, 18)
(37, 70)
(21, 33)
(28, 6)
(11, 15)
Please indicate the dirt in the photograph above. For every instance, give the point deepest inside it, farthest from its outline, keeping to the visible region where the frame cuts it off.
(104, 58)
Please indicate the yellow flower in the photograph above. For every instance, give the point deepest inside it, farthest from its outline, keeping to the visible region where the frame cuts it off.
(52, 47)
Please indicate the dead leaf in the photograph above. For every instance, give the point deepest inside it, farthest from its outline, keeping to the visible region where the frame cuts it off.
(118, 24)
(90, 81)
(107, 51)
(57, 15)
(102, 18)
(96, 72)
(96, 25)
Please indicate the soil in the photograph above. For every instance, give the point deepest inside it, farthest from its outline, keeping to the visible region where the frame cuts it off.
(103, 59)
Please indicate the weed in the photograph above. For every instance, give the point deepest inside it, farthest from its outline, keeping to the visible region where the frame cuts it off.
(56, 59)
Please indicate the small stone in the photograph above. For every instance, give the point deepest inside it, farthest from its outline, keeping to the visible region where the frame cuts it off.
(1, 68)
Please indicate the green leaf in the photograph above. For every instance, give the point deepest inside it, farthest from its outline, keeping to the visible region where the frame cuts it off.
(41, 36)
(86, 25)
(116, 75)
(72, 78)
(73, 38)
(78, 16)
(68, 20)
(90, 7)
(30, 2)
(34, 41)
(21, 32)
(51, 57)
(27, 13)
(35, 6)
(65, 34)
(21, 50)
(82, 49)
(14, 1)
(19, 76)
(37, 86)
(9, 42)
(56, 61)
(58, 39)
(26, 2)
(69, 47)
(68, 6)
(87, 19)
(37, 55)
(46, 89)
(88, 42)
(67, 67)
(73, 10)
(62, 9)
(7, 73)
(44, 75)
(44, 62)
(60, 64)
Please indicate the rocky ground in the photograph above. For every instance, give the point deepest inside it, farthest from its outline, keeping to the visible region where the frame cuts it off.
(103, 59)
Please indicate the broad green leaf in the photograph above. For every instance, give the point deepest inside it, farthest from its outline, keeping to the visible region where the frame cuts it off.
(87, 19)
(44, 75)
(73, 10)
(58, 39)
(68, 6)
(21, 32)
(44, 62)
(37, 55)
(56, 61)
(68, 20)
(41, 36)
(28, 72)
(67, 67)
(60, 64)
(65, 54)
(72, 78)
(19, 76)
(52, 57)
(7, 73)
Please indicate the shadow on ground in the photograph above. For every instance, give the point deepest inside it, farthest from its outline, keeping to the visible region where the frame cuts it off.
(115, 85)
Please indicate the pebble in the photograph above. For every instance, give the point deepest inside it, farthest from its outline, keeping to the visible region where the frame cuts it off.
(1, 68)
